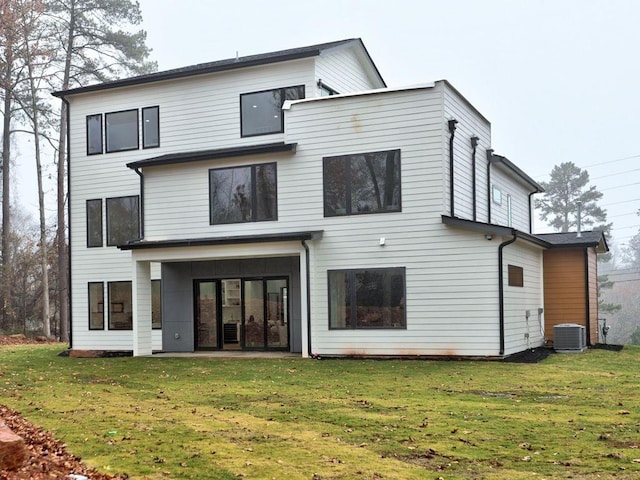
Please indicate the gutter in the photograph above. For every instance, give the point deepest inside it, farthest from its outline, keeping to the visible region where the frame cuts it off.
(474, 145)
(501, 286)
(452, 131)
(68, 292)
(308, 293)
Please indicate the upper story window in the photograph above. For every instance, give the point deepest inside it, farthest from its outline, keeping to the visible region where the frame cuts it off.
(362, 183)
(367, 298)
(94, 134)
(94, 222)
(261, 112)
(150, 127)
(123, 220)
(121, 130)
(243, 194)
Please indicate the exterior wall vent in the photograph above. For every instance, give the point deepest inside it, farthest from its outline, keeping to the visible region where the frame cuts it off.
(569, 338)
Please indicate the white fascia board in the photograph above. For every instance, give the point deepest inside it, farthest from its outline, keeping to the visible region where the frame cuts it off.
(289, 103)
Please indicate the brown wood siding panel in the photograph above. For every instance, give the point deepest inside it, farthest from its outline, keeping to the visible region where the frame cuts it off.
(593, 295)
(564, 288)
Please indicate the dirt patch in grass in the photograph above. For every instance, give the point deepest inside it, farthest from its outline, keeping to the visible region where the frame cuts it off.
(20, 339)
(48, 458)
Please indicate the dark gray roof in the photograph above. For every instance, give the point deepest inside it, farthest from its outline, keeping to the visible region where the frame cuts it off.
(200, 155)
(224, 65)
(594, 238)
(233, 240)
(515, 169)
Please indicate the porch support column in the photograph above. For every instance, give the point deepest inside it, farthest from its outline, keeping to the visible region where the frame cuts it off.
(141, 299)
(304, 303)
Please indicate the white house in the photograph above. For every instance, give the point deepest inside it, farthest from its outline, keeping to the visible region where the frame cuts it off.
(292, 201)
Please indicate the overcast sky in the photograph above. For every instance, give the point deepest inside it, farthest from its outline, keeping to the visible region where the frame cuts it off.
(558, 80)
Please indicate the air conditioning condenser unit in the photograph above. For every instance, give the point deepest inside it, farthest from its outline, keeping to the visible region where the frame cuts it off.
(569, 338)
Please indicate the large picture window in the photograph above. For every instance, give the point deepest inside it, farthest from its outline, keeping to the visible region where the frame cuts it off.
(243, 194)
(121, 130)
(362, 183)
(94, 223)
(120, 306)
(367, 298)
(123, 220)
(96, 306)
(150, 127)
(94, 134)
(261, 112)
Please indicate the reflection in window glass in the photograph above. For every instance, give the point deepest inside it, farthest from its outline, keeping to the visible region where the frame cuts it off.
(94, 134)
(243, 194)
(122, 130)
(94, 223)
(123, 220)
(156, 304)
(261, 112)
(362, 183)
(96, 306)
(371, 298)
(150, 127)
(120, 308)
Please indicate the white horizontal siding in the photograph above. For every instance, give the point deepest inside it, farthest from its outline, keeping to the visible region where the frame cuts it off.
(470, 124)
(521, 333)
(341, 70)
(519, 201)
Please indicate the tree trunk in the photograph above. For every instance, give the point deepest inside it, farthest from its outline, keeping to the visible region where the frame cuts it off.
(6, 191)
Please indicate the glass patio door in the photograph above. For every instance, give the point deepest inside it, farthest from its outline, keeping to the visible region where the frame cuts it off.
(266, 323)
(206, 306)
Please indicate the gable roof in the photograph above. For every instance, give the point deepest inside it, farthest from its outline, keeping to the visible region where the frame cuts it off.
(230, 64)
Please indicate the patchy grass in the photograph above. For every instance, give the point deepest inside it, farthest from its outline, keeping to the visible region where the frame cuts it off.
(157, 418)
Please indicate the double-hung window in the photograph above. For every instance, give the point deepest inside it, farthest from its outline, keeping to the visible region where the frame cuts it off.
(121, 130)
(123, 220)
(261, 112)
(362, 183)
(243, 194)
(367, 298)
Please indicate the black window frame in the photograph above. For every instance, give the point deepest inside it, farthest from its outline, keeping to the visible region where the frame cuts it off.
(123, 307)
(106, 131)
(347, 159)
(354, 304)
(283, 97)
(254, 194)
(144, 139)
(90, 311)
(138, 236)
(89, 223)
(515, 276)
(88, 135)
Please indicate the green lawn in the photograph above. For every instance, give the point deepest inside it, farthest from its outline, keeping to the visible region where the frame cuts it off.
(571, 416)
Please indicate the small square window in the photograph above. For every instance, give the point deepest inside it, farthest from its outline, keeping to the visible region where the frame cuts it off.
(516, 276)
(94, 134)
(496, 194)
(122, 131)
(150, 127)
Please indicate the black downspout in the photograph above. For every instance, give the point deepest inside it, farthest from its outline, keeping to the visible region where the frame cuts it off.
(586, 289)
(474, 145)
(69, 296)
(501, 287)
(531, 210)
(139, 172)
(308, 293)
(452, 131)
(489, 193)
